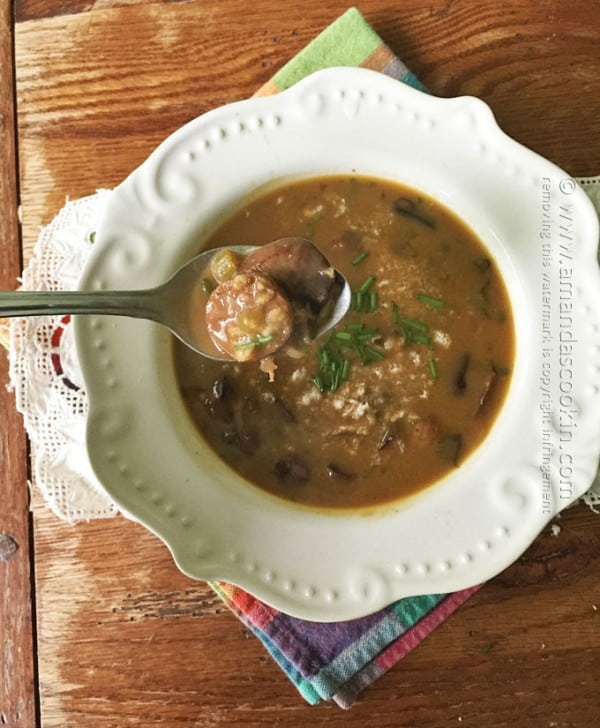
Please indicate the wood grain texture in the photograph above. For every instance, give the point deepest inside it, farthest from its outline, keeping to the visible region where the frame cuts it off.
(124, 638)
(99, 90)
(17, 667)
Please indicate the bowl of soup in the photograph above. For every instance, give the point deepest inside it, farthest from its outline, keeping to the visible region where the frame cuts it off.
(424, 442)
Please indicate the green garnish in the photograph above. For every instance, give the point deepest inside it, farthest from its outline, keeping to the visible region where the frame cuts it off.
(367, 285)
(414, 324)
(433, 369)
(370, 354)
(412, 330)
(323, 355)
(93, 237)
(416, 338)
(258, 340)
(373, 301)
(317, 380)
(335, 365)
(430, 300)
(365, 333)
(365, 300)
(345, 370)
(360, 258)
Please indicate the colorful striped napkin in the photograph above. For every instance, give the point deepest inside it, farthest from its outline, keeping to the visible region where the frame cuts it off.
(336, 661)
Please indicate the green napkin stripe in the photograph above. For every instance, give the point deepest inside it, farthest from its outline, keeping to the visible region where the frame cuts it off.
(348, 41)
(410, 79)
(411, 609)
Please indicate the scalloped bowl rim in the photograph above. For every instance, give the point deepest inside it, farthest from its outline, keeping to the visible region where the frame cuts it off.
(322, 565)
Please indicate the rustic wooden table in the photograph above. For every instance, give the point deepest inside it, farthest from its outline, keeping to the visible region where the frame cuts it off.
(98, 628)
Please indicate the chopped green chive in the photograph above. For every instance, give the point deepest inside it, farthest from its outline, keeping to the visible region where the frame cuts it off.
(335, 357)
(345, 370)
(323, 355)
(430, 300)
(412, 330)
(92, 237)
(318, 382)
(365, 334)
(414, 324)
(373, 301)
(365, 299)
(433, 370)
(335, 378)
(357, 301)
(258, 340)
(367, 285)
(360, 258)
(416, 338)
(370, 353)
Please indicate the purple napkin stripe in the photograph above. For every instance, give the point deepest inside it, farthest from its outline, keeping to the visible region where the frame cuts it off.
(337, 660)
(314, 645)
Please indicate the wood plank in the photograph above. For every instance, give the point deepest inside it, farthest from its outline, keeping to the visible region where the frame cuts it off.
(87, 118)
(123, 633)
(124, 638)
(17, 666)
(36, 9)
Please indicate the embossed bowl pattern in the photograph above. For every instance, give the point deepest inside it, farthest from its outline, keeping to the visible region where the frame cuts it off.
(543, 450)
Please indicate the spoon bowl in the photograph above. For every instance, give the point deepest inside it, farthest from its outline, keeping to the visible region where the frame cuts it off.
(169, 304)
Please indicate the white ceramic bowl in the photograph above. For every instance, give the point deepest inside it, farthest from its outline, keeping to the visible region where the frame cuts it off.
(543, 450)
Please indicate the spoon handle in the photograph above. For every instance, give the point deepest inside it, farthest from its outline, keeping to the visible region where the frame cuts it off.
(139, 304)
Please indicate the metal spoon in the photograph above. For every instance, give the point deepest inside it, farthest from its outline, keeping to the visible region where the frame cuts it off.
(169, 304)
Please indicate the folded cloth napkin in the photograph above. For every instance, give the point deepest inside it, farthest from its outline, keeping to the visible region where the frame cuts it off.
(333, 661)
(338, 660)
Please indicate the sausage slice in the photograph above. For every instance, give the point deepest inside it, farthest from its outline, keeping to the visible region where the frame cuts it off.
(248, 317)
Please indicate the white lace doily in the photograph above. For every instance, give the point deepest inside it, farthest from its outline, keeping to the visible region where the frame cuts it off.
(45, 376)
(44, 371)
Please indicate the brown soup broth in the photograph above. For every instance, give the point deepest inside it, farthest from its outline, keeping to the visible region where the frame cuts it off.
(435, 330)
